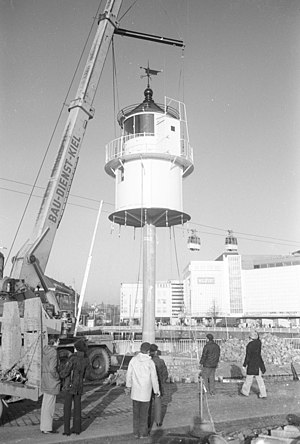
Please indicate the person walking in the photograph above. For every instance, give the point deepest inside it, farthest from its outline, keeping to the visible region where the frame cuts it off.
(50, 384)
(209, 362)
(162, 376)
(254, 366)
(141, 379)
(73, 374)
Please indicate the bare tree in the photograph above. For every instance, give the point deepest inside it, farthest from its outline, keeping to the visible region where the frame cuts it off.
(213, 313)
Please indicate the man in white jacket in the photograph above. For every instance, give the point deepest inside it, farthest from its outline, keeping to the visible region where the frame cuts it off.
(141, 378)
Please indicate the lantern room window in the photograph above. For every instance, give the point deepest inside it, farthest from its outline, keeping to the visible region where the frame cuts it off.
(142, 124)
(128, 126)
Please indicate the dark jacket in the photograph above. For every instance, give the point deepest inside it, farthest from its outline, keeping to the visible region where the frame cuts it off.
(50, 377)
(73, 373)
(253, 360)
(210, 355)
(162, 372)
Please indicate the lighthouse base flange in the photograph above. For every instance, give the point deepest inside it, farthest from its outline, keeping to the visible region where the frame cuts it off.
(159, 217)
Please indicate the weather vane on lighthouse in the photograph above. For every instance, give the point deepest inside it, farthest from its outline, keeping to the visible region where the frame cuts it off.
(148, 73)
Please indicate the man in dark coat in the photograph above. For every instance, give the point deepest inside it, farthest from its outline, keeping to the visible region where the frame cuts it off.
(162, 376)
(209, 362)
(73, 374)
(255, 366)
(161, 368)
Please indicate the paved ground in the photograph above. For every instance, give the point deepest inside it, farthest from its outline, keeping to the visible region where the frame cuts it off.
(107, 413)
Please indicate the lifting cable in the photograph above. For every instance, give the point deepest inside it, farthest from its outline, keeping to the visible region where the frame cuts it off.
(115, 87)
(141, 239)
(181, 74)
(131, 337)
(116, 103)
(176, 255)
(52, 135)
(115, 82)
(179, 32)
(127, 10)
(142, 227)
(135, 303)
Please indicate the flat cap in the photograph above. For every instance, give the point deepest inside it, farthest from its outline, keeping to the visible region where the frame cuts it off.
(145, 347)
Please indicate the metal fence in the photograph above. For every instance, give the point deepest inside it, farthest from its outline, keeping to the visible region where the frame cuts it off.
(187, 346)
(294, 342)
(174, 347)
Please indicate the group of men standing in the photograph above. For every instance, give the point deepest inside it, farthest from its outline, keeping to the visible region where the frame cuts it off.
(147, 373)
(253, 365)
(145, 379)
(68, 378)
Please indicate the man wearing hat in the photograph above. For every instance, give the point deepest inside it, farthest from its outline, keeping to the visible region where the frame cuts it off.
(141, 379)
(209, 362)
(255, 366)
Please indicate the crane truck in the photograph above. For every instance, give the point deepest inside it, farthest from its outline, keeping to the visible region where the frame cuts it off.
(26, 318)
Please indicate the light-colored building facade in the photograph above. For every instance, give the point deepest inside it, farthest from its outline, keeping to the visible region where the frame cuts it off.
(232, 286)
(272, 286)
(204, 289)
(243, 286)
(169, 301)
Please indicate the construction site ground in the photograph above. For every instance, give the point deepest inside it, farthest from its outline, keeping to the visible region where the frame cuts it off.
(107, 413)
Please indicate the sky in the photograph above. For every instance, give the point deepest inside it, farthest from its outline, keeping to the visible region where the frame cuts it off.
(239, 77)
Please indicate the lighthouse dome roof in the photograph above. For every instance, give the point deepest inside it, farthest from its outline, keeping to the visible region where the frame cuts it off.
(148, 105)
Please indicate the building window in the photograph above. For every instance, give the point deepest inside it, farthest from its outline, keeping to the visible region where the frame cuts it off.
(172, 128)
(205, 280)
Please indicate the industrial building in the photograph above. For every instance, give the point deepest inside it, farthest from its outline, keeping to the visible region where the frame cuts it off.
(266, 287)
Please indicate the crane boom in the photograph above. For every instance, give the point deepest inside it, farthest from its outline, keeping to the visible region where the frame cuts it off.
(30, 262)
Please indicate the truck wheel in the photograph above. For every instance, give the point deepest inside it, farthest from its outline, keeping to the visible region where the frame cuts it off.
(99, 363)
(63, 356)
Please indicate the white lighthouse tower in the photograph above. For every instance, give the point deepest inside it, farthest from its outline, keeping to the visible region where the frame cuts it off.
(148, 163)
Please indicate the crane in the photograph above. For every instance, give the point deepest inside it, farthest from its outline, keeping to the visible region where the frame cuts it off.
(29, 264)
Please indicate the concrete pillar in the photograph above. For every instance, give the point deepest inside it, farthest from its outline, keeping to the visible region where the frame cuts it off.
(149, 281)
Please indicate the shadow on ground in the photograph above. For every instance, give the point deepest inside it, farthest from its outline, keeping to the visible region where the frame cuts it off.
(99, 409)
(16, 410)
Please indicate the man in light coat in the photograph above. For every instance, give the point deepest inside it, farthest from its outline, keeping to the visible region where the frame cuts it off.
(141, 378)
(50, 384)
